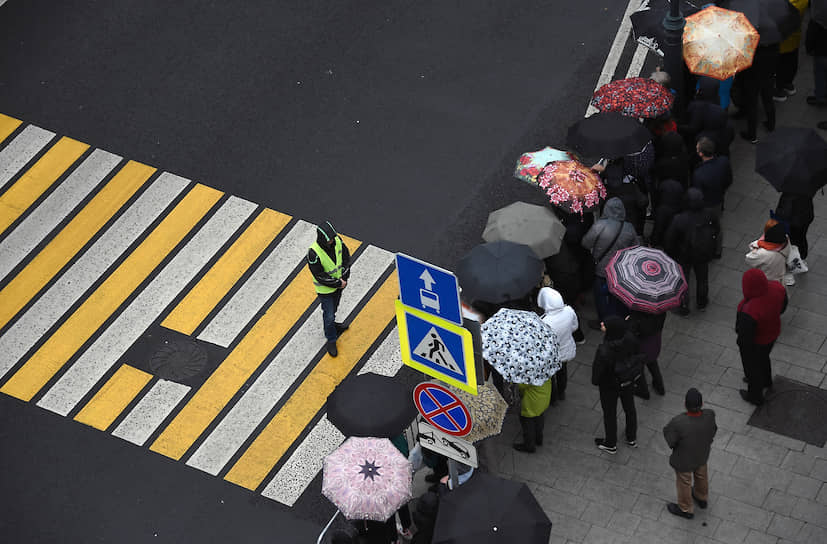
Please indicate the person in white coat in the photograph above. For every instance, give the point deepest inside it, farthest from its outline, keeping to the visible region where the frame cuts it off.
(563, 321)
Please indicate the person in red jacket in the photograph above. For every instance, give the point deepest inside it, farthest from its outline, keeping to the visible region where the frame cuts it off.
(758, 324)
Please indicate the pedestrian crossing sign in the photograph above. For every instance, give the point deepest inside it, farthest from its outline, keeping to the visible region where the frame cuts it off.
(437, 347)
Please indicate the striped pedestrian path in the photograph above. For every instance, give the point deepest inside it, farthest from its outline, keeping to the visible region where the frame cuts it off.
(105, 263)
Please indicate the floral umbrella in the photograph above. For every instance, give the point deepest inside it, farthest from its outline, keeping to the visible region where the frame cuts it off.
(646, 279)
(487, 409)
(634, 96)
(572, 186)
(367, 478)
(520, 346)
(718, 42)
(530, 164)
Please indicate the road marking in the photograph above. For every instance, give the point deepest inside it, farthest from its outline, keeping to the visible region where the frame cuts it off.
(113, 343)
(73, 283)
(289, 422)
(37, 179)
(21, 150)
(212, 287)
(150, 411)
(106, 299)
(7, 124)
(34, 228)
(71, 239)
(615, 51)
(307, 459)
(637, 61)
(113, 397)
(284, 369)
(260, 286)
(239, 365)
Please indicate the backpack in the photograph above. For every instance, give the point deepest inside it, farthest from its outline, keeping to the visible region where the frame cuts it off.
(629, 369)
(702, 240)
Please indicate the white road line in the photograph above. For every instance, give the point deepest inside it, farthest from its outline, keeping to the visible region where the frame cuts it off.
(147, 307)
(306, 460)
(284, 369)
(151, 411)
(637, 61)
(73, 283)
(20, 151)
(616, 50)
(55, 208)
(260, 286)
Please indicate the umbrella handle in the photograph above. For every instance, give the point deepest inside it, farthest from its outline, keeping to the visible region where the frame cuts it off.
(326, 527)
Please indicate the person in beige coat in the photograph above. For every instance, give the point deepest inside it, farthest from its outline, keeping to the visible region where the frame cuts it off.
(769, 254)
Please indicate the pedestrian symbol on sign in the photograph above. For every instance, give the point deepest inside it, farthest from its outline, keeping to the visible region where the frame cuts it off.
(432, 348)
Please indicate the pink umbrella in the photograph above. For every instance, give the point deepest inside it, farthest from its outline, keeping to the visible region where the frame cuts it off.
(367, 478)
(646, 279)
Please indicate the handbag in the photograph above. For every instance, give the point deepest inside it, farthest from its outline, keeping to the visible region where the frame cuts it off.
(795, 264)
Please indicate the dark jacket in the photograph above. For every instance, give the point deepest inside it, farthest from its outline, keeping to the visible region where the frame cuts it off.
(815, 41)
(644, 324)
(758, 320)
(677, 241)
(324, 233)
(612, 226)
(796, 210)
(706, 117)
(603, 366)
(672, 160)
(690, 437)
(670, 203)
(713, 178)
(634, 201)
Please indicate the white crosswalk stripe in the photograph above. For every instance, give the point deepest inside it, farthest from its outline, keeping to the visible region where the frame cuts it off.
(151, 411)
(21, 150)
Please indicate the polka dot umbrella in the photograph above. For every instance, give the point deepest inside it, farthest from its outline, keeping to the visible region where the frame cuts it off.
(646, 279)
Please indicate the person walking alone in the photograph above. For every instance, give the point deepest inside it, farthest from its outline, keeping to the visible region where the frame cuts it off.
(329, 262)
(690, 436)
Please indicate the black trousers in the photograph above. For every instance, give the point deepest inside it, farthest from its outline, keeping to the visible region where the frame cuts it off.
(608, 400)
(755, 359)
(798, 236)
(561, 379)
(753, 89)
(701, 282)
(641, 387)
(786, 69)
(533, 430)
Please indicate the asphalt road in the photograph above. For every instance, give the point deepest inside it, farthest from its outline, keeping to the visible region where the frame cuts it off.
(400, 121)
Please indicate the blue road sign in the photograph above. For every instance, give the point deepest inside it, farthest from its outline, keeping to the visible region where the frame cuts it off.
(442, 409)
(428, 288)
(436, 347)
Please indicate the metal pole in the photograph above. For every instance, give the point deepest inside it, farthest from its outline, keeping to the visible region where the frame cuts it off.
(326, 527)
(453, 473)
(673, 24)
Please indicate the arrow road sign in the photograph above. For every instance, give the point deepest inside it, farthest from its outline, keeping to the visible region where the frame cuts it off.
(428, 288)
(450, 446)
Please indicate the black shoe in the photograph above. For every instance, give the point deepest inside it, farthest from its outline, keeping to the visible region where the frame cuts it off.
(659, 389)
(341, 327)
(702, 306)
(594, 324)
(675, 509)
(751, 138)
(331, 349)
(631, 443)
(601, 444)
(745, 395)
(579, 337)
(779, 96)
(699, 502)
(523, 448)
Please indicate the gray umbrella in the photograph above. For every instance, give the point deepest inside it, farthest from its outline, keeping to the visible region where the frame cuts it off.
(522, 223)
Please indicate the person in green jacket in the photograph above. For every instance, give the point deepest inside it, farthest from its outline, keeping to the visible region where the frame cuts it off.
(533, 404)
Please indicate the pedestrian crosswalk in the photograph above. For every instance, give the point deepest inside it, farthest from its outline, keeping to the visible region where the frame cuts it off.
(99, 253)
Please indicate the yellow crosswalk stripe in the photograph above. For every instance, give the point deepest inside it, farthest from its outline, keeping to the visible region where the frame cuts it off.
(106, 299)
(113, 397)
(300, 409)
(239, 365)
(195, 306)
(72, 238)
(8, 125)
(38, 178)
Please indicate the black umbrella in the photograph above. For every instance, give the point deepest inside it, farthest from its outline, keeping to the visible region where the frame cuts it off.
(793, 160)
(773, 19)
(608, 135)
(487, 509)
(370, 405)
(499, 271)
(647, 22)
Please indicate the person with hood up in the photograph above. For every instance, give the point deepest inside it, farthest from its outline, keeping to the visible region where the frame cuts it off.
(624, 187)
(669, 204)
(769, 253)
(690, 240)
(608, 234)
(562, 319)
(757, 325)
(619, 345)
(329, 262)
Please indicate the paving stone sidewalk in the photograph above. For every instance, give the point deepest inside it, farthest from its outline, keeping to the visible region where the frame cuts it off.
(764, 487)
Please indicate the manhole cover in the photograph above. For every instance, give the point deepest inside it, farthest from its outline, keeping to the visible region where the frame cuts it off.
(178, 360)
(794, 409)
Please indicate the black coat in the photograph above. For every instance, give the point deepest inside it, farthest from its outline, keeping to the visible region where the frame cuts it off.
(796, 210)
(603, 366)
(815, 41)
(670, 204)
(713, 178)
(672, 160)
(678, 235)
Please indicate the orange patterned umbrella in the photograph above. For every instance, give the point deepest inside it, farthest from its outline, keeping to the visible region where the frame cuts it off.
(572, 186)
(718, 42)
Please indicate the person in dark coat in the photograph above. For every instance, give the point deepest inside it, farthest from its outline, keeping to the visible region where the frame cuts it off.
(670, 203)
(672, 160)
(686, 243)
(648, 329)
(754, 82)
(622, 186)
(713, 177)
(757, 325)
(618, 343)
(706, 117)
(815, 44)
(690, 436)
(796, 212)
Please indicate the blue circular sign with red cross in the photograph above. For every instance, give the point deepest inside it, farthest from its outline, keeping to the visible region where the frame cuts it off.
(442, 409)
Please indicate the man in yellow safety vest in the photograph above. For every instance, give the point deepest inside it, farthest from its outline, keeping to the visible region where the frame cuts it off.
(329, 262)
